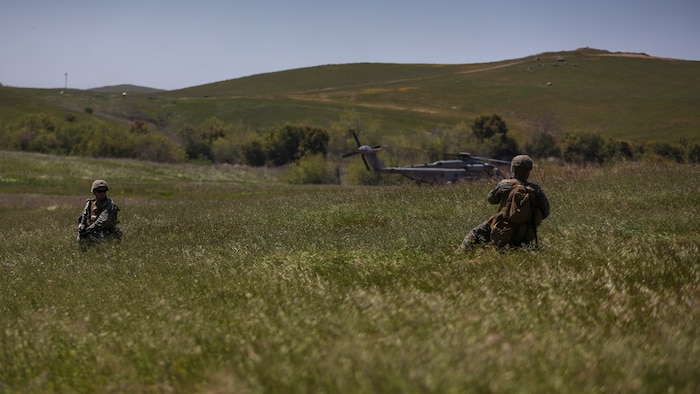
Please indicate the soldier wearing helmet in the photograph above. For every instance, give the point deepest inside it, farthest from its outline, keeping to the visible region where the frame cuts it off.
(98, 220)
(520, 167)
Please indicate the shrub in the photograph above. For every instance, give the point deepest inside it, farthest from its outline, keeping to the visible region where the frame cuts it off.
(225, 150)
(105, 141)
(157, 147)
(665, 151)
(502, 147)
(693, 154)
(542, 145)
(253, 152)
(196, 147)
(357, 174)
(139, 126)
(311, 169)
(487, 126)
(581, 147)
(612, 149)
(290, 143)
(491, 132)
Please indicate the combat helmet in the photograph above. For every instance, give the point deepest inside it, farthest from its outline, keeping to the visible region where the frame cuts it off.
(99, 184)
(521, 163)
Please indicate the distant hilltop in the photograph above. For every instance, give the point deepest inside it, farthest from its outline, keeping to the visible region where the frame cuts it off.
(603, 52)
(125, 89)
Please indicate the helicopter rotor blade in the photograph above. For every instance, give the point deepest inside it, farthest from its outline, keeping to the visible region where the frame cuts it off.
(363, 158)
(365, 161)
(354, 134)
(468, 156)
(491, 160)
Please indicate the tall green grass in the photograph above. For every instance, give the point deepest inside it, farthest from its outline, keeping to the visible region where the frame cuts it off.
(224, 286)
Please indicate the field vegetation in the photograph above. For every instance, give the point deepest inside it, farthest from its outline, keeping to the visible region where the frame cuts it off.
(229, 279)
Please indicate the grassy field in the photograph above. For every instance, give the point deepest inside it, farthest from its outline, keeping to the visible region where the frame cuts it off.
(230, 281)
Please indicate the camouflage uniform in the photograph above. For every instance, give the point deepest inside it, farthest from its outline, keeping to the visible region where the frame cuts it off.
(481, 234)
(98, 220)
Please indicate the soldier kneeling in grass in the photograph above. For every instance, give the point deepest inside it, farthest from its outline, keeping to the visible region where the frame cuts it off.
(98, 222)
(523, 206)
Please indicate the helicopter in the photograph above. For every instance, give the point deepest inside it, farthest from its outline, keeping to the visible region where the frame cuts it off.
(465, 167)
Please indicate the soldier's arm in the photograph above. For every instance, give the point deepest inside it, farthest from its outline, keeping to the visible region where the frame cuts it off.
(106, 217)
(82, 219)
(496, 195)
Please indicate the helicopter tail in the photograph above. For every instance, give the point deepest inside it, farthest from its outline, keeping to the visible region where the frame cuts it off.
(368, 154)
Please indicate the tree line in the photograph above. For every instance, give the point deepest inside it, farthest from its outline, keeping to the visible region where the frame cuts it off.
(214, 141)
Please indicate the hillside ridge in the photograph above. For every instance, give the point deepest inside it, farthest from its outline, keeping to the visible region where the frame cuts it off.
(623, 95)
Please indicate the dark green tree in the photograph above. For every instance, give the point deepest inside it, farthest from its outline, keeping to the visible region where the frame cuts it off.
(290, 143)
(314, 141)
(487, 126)
(542, 145)
(196, 147)
(282, 145)
(492, 137)
(253, 152)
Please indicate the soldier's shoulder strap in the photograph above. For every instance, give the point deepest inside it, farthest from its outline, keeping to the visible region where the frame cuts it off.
(113, 205)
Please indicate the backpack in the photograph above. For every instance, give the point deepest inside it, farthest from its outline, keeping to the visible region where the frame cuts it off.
(516, 222)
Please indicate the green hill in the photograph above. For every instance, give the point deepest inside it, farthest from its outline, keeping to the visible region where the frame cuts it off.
(626, 96)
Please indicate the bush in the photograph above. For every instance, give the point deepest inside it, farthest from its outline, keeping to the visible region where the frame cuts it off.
(105, 141)
(33, 133)
(487, 126)
(693, 155)
(311, 169)
(612, 150)
(225, 150)
(139, 126)
(290, 143)
(542, 145)
(196, 146)
(665, 150)
(491, 132)
(357, 174)
(157, 147)
(253, 152)
(501, 147)
(582, 147)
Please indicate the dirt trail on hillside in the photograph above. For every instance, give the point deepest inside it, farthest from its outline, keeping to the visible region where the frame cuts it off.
(478, 70)
(372, 84)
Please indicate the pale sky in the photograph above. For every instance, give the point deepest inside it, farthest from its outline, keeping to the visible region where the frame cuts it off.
(173, 44)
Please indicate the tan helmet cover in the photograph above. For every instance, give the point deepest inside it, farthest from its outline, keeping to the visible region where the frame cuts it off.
(521, 162)
(99, 184)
